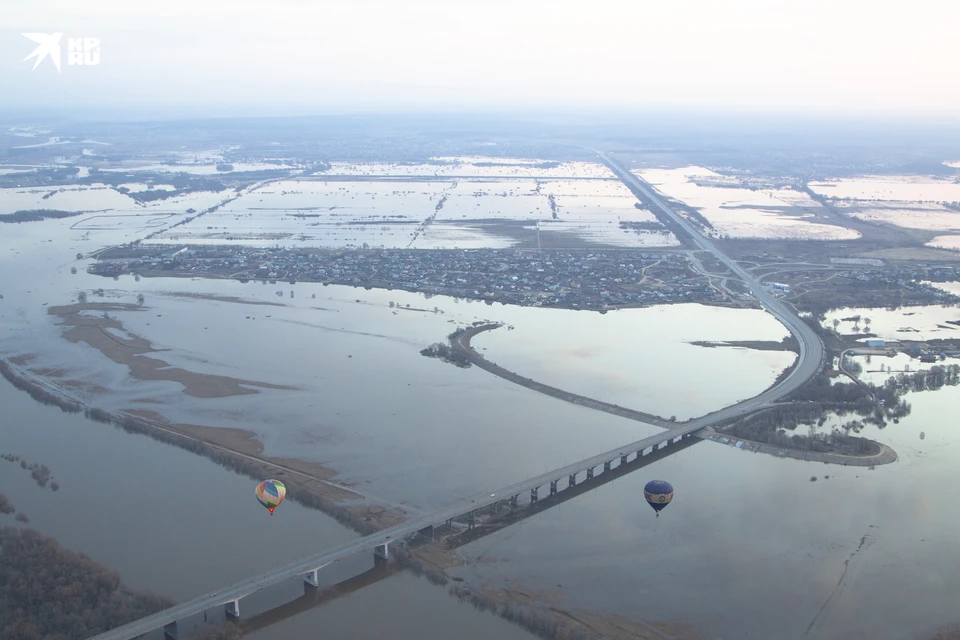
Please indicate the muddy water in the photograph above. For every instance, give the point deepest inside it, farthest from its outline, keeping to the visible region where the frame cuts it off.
(179, 525)
(413, 430)
(750, 547)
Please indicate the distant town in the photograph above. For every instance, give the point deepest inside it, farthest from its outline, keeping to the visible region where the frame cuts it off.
(574, 279)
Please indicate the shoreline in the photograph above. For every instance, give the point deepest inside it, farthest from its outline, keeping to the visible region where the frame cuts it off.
(886, 455)
(461, 344)
(393, 285)
(314, 493)
(460, 341)
(313, 489)
(135, 352)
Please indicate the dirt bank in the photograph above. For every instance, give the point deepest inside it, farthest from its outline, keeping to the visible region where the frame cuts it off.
(308, 483)
(108, 336)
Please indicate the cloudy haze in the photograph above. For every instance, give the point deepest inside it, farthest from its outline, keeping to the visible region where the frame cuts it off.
(827, 57)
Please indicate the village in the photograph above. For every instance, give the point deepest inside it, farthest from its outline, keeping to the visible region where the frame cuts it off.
(567, 278)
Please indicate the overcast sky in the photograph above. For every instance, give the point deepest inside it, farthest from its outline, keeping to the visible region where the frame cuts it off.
(334, 55)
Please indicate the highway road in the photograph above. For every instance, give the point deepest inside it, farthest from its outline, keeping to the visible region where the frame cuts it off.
(811, 348)
(811, 355)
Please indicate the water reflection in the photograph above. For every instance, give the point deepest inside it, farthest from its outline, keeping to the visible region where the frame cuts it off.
(752, 548)
(177, 524)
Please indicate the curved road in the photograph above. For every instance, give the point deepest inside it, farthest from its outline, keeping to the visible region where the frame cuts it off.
(811, 348)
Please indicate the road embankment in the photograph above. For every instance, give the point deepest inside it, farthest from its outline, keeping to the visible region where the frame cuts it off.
(461, 344)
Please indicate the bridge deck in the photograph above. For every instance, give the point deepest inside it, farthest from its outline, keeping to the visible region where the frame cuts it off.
(368, 543)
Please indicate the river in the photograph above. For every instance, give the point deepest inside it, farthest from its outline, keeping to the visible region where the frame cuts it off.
(179, 525)
(750, 548)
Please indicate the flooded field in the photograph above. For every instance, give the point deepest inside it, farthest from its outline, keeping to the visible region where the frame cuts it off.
(950, 287)
(477, 166)
(337, 348)
(209, 167)
(105, 201)
(743, 213)
(426, 211)
(334, 375)
(891, 188)
(927, 216)
(905, 323)
(946, 242)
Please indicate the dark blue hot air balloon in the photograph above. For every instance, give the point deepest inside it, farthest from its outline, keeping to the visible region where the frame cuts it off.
(658, 493)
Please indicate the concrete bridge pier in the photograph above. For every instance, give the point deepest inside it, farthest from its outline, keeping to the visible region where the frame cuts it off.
(170, 631)
(472, 519)
(381, 555)
(450, 523)
(533, 494)
(553, 487)
(426, 532)
(313, 577)
(590, 473)
(515, 500)
(232, 609)
(606, 465)
(623, 459)
(572, 481)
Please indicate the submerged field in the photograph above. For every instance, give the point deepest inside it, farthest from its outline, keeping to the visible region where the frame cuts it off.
(443, 206)
(738, 212)
(891, 189)
(333, 376)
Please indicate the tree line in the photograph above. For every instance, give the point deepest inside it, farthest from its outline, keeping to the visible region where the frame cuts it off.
(40, 472)
(226, 459)
(812, 403)
(34, 215)
(50, 593)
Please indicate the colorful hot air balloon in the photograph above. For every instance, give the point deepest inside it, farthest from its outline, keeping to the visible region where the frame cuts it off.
(658, 493)
(270, 493)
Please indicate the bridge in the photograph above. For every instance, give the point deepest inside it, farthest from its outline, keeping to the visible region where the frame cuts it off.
(807, 365)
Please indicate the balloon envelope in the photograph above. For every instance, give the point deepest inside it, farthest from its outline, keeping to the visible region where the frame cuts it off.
(658, 493)
(270, 493)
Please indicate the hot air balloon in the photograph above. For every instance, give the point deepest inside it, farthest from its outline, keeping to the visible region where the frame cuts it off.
(270, 493)
(658, 493)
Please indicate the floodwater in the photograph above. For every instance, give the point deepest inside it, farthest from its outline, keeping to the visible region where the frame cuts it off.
(929, 322)
(453, 212)
(891, 188)
(742, 213)
(637, 358)
(179, 525)
(749, 548)
(914, 215)
(373, 409)
(367, 404)
(946, 242)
